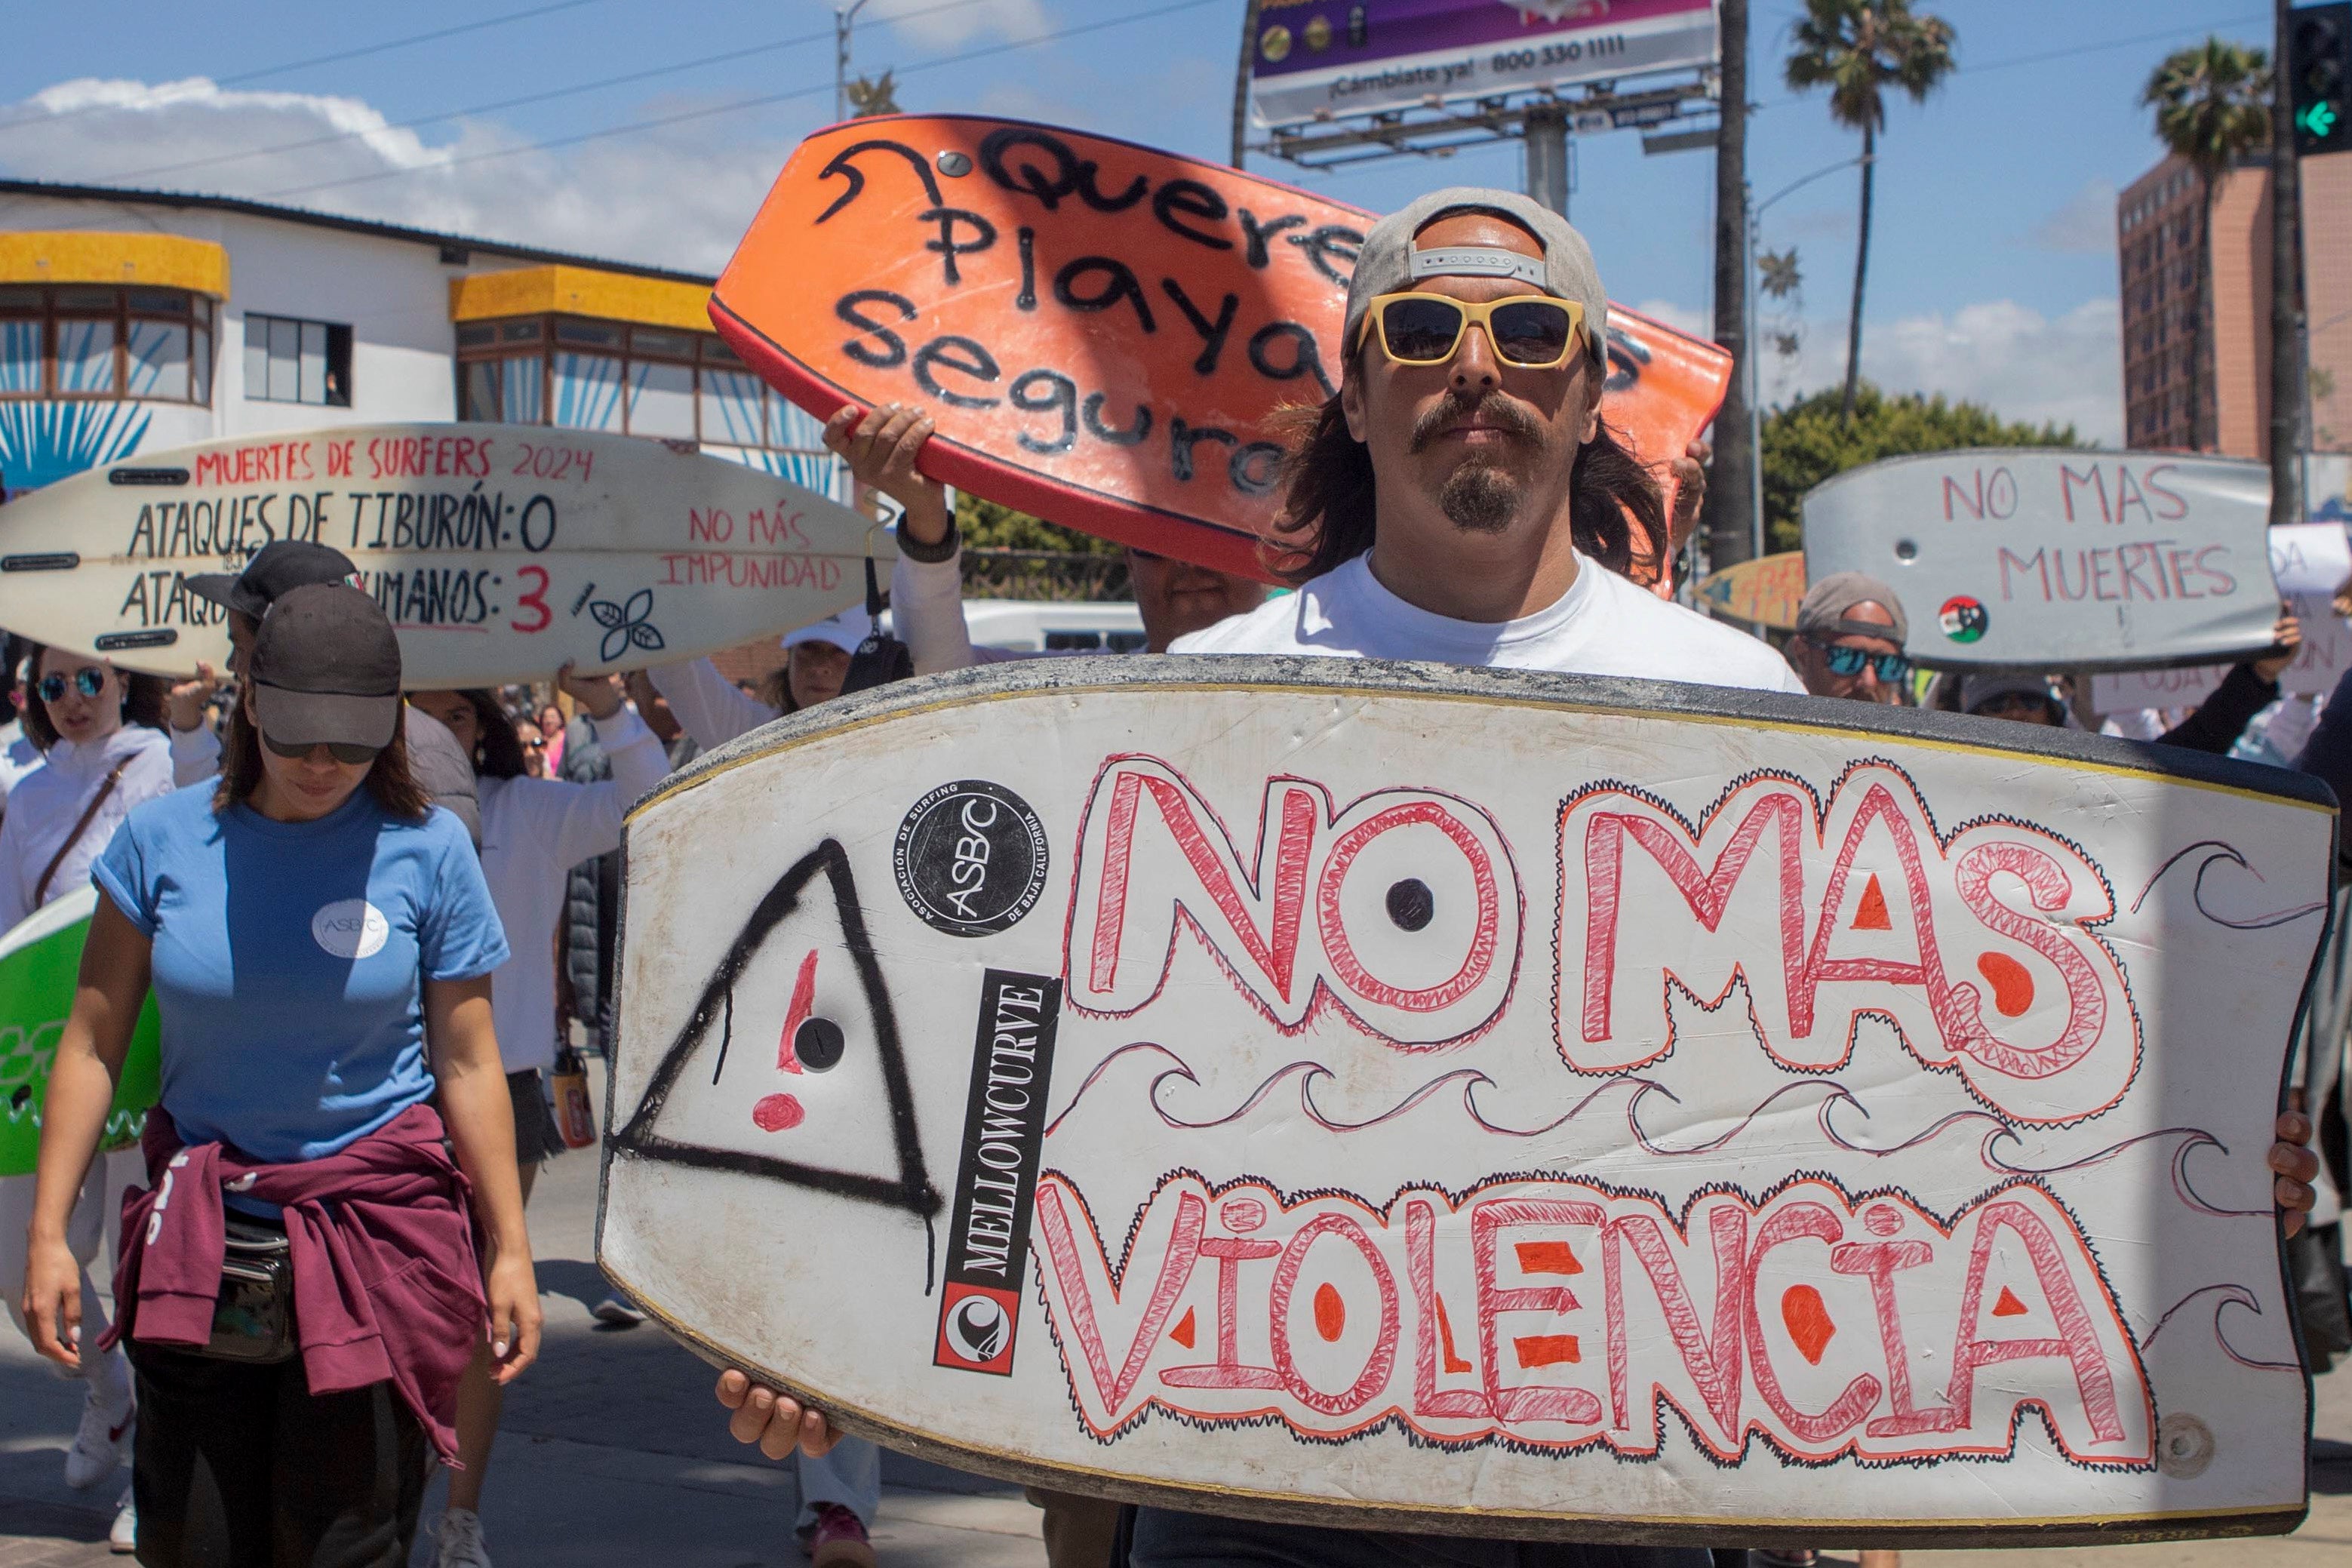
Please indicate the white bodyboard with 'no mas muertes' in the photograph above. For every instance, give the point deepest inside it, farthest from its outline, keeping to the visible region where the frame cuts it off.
(499, 551)
(1479, 1101)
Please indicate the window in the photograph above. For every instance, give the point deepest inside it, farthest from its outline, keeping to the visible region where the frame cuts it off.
(637, 381)
(287, 360)
(150, 344)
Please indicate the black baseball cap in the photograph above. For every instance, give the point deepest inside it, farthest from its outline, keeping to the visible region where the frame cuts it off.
(278, 567)
(325, 669)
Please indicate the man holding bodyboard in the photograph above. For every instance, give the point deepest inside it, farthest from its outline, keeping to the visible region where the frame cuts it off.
(1448, 505)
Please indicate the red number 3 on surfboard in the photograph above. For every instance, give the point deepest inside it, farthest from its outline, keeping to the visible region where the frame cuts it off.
(1105, 333)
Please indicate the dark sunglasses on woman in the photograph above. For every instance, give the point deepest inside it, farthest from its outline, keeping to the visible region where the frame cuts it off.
(1844, 661)
(89, 681)
(343, 751)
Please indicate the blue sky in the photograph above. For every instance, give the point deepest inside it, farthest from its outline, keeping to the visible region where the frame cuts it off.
(1992, 270)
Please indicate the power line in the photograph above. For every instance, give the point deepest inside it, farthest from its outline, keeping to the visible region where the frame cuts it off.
(549, 95)
(763, 101)
(256, 75)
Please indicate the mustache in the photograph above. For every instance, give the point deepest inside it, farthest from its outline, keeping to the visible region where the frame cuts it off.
(1516, 422)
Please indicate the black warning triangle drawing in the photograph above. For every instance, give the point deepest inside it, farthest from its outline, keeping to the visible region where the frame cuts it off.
(807, 1078)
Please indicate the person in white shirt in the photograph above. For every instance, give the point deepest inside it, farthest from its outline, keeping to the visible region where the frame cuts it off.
(534, 831)
(1459, 500)
(715, 709)
(97, 729)
(18, 755)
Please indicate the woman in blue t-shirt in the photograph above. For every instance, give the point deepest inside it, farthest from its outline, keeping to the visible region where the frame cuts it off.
(318, 940)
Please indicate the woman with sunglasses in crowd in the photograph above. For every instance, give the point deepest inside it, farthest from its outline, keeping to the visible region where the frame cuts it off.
(534, 830)
(318, 940)
(99, 730)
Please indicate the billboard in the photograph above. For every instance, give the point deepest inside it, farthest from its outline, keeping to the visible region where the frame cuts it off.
(1320, 58)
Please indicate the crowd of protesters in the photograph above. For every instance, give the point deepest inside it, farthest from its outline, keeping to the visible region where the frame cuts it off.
(409, 897)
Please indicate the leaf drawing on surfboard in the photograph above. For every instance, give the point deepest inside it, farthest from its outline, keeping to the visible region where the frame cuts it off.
(790, 1067)
(627, 623)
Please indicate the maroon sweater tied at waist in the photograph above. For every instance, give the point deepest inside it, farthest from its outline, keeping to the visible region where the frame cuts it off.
(386, 1282)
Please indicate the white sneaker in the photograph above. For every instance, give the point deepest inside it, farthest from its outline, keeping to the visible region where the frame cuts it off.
(124, 1536)
(619, 1313)
(102, 1442)
(461, 1540)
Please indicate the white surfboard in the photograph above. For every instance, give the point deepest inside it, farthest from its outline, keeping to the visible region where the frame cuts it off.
(1463, 1101)
(499, 551)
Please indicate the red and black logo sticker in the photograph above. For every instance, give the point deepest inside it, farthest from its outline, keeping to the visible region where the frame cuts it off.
(1003, 1139)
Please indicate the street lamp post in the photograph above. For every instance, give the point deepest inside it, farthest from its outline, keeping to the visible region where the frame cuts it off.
(1756, 211)
(843, 17)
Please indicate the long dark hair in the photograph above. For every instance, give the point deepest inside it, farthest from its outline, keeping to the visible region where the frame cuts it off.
(142, 701)
(389, 781)
(497, 750)
(1327, 499)
(776, 691)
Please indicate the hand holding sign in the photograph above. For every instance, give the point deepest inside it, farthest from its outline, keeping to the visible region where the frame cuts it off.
(882, 449)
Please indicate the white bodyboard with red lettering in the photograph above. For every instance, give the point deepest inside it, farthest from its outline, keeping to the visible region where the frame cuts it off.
(1477, 1101)
(2041, 558)
(499, 551)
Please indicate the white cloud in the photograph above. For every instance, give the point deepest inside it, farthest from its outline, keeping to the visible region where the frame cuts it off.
(942, 24)
(677, 198)
(1679, 316)
(2019, 363)
(2085, 225)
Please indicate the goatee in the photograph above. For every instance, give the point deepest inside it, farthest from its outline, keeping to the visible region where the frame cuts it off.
(1480, 498)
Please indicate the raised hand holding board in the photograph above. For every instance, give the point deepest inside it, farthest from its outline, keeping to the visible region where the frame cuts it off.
(499, 551)
(2045, 559)
(1219, 1083)
(1103, 332)
(2310, 561)
(40, 966)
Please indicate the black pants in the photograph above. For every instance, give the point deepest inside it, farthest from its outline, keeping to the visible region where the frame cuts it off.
(1165, 1538)
(241, 1467)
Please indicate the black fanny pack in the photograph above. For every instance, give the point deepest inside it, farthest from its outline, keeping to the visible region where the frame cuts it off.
(253, 1320)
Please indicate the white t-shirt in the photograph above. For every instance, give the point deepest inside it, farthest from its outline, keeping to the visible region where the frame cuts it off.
(1603, 626)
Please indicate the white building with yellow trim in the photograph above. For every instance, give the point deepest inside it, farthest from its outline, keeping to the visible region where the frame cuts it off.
(133, 322)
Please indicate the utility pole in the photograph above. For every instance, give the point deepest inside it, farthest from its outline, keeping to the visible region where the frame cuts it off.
(2288, 381)
(843, 17)
(1730, 490)
(1547, 141)
(1241, 83)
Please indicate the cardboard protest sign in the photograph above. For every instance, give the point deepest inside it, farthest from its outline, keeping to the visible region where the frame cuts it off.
(2049, 559)
(2309, 561)
(1764, 591)
(1474, 1101)
(1104, 332)
(498, 551)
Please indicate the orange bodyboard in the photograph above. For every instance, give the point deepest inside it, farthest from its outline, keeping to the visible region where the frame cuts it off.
(1104, 332)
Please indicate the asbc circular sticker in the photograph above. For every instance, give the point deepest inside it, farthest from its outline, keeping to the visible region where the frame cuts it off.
(350, 928)
(970, 859)
(1963, 618)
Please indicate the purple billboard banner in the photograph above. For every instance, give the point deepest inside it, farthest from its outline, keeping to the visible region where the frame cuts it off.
(1320, 60)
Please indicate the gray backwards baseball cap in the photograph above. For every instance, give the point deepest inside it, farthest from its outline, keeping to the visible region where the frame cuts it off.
(1387, 262)
(1823, 613)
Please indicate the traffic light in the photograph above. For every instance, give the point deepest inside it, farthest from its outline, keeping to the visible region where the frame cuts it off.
(2319, 59)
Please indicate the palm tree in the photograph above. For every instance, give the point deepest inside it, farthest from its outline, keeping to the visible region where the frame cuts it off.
(2211, 103)
(1857, 50)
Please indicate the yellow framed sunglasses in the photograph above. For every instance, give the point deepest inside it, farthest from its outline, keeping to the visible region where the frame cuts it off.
(1532, 332)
